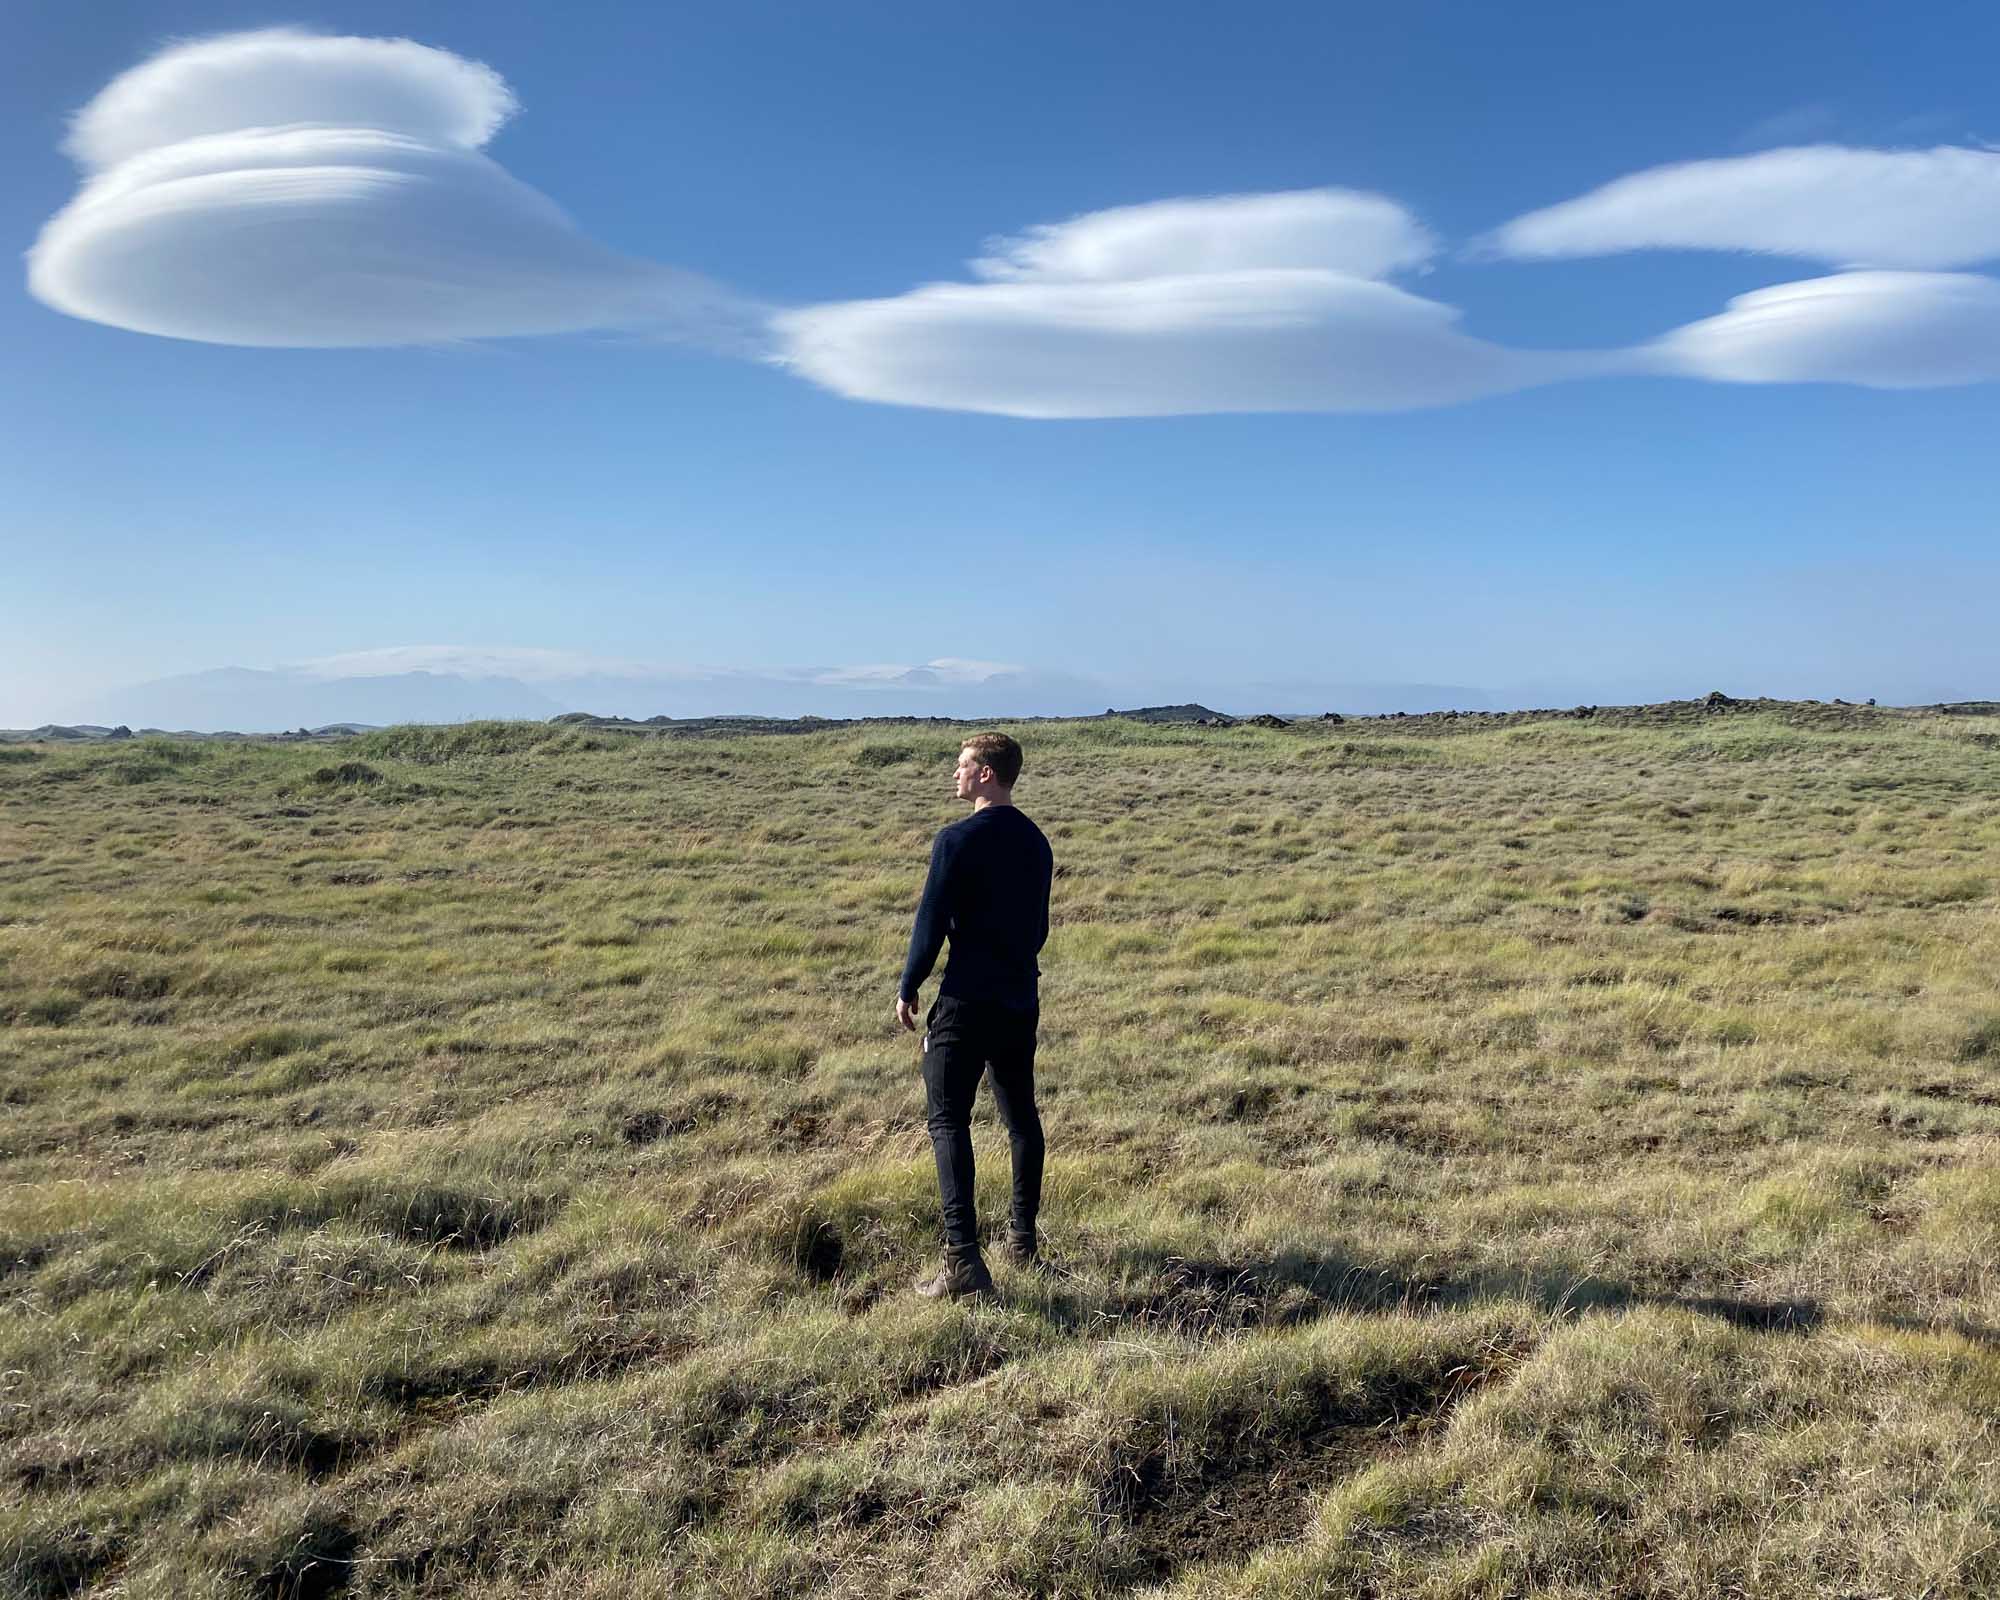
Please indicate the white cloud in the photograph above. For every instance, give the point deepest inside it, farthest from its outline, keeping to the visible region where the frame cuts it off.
(1885, 330)
(527, 663)
(944, 673)
(1339, 230)
(282, 188)
(283, 77)
(1242, 303)
(535, 665)
(1846, 207)
(285, 188)
(1798, 125)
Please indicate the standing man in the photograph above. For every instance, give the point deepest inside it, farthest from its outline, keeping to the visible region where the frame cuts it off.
(988, 890)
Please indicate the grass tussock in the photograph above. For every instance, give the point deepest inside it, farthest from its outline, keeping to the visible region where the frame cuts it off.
(1558, 1158)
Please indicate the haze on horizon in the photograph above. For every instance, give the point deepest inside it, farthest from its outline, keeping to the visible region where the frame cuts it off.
(440, 684)
(752, 361)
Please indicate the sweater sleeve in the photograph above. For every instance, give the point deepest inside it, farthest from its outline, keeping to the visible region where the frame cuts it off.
(933, 920)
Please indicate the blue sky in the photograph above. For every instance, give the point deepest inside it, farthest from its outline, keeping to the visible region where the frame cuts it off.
(646, 490)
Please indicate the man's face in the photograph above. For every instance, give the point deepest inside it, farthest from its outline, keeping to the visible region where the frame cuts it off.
(969, 769)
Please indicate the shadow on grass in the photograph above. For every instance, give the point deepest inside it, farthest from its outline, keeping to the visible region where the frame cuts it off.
(1194, 1294)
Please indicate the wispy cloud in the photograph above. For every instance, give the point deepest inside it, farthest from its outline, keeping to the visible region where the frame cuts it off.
(944, 673)
(1794, 126)
(1846, 207)
(284, 188)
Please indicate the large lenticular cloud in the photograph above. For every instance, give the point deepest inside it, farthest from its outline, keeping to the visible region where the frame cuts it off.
(1262, 302)
(281, 188)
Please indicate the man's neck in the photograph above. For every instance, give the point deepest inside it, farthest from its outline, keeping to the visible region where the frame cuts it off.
(985, 800)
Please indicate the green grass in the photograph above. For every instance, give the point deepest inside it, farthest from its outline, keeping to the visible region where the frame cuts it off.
(1554, 1158)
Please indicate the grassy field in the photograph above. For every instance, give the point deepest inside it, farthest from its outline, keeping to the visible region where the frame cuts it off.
(1551, 1159)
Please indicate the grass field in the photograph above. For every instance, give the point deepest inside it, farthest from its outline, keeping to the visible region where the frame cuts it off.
(1559, 1158)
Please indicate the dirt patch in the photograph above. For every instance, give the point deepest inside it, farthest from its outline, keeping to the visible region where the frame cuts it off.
(1964, 1094)
(1262, 1491)
(318, 1564)
(1259, 1503)
(798, 1127)
(649, 1127)
(819, 1250)
(347, 772)
(1751, 916)
(1411, 1131)
(650, 1124)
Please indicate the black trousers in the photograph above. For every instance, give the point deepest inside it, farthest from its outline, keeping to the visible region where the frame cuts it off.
(962, 1040)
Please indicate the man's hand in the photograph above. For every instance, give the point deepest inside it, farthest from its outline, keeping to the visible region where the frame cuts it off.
(906, 1014)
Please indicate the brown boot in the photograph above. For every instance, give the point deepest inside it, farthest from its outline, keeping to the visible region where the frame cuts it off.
(1018, 1249)
(962, 1273)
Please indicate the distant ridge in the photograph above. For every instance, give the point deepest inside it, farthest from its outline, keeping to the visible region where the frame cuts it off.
(745, 723)
(1666, 713)
(1191, 712)
(81, 730)
(94, 733)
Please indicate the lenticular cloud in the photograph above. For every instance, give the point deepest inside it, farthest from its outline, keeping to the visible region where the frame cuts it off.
(281, 188)
(1268, 302)
(1880, 208)
(1882, 325)
(1337, 230)
(1881, 330)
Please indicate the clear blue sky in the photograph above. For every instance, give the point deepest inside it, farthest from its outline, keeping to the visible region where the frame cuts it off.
(174, 505)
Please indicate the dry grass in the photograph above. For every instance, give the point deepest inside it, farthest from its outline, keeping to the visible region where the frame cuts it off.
(1557, 1158)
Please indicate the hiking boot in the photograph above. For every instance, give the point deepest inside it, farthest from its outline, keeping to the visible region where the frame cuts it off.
(1018, 1249)
(961, 1274)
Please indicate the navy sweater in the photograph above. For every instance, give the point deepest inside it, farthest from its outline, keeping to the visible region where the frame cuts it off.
(989, 890)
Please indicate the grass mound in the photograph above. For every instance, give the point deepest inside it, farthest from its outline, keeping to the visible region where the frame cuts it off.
(433, 745)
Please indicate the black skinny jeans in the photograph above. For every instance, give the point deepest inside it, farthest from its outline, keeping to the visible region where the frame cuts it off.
(964, 1039)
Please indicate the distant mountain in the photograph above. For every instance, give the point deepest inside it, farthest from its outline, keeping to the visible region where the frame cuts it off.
(56, 732)
(247, 700)
(244, 700)
(443, 684)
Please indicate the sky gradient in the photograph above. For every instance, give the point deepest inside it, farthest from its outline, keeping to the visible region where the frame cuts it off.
(674, 475)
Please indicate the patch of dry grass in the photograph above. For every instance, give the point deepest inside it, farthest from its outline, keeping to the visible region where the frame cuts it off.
(1551, 1158)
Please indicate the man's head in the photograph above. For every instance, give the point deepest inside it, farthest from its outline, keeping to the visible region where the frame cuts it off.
(988, 764)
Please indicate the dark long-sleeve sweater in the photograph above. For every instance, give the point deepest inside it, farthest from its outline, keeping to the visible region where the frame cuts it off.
(988, 890)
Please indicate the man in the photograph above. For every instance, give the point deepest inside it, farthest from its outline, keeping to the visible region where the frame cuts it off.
(988, 890)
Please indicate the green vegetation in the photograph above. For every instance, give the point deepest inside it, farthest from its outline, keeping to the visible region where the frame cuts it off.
(1555, 1158)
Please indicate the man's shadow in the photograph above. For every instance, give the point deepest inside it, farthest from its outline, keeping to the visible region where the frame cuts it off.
(1201, 1293)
